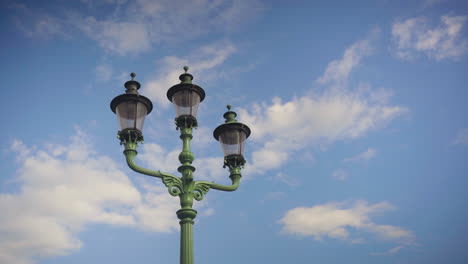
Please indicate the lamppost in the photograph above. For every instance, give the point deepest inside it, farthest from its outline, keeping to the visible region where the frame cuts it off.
(131, 109)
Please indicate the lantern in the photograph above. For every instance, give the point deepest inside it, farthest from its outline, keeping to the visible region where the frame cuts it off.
(131, 109)
(186, 96)
(232, 136)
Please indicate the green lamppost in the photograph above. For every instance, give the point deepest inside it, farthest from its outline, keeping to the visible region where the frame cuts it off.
(131, 109)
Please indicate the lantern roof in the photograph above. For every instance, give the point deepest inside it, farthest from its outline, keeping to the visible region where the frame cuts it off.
(231, 123)
(131, 94)
(185, 84)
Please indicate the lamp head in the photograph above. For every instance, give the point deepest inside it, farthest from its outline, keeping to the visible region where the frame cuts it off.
(232, 136)
(131, 109)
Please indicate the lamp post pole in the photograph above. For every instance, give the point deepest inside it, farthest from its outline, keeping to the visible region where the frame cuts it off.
(131, 109)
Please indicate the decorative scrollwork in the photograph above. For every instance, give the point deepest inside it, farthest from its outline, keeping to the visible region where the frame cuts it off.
(130, 137)
(200, 189)
(174, 185)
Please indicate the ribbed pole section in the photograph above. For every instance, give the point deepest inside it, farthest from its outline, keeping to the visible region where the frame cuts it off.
(186, 217)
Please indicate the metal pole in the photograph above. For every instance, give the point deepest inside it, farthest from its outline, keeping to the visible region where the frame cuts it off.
(186, 217)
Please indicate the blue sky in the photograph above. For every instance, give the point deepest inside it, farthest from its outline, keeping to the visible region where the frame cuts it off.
(358, 111)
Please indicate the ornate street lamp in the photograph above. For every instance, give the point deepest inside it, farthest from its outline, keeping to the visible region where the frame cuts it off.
(131, 109)
(232, 136)
(186, 97)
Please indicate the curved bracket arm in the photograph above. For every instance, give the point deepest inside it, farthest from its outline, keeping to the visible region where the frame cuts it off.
(227, 188)
(235, 177)
(173, 183)
(202, 187)
(130, 156)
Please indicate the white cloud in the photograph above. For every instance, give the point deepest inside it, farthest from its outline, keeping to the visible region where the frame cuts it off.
(341, 221)
(364, 156)
(284, 128)
(339, 70)
(202, 62)
(64, 188)
(462, 137)
(445, 41)
(340, 174)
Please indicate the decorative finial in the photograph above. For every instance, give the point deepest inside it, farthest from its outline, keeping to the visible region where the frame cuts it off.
(132, 86)
(186, 68)
(230, 115)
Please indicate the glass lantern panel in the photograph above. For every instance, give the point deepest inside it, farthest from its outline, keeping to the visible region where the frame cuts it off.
(232, 142)
(131, 115)
(186, 103)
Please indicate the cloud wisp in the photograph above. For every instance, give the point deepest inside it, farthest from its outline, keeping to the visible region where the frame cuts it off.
(134, 27)
(370, 153)
(343, 221)
(462, 137)
(340, 174)
(340, 69)
(414, 36)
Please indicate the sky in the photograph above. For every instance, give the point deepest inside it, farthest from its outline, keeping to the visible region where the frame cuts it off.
(358, 112)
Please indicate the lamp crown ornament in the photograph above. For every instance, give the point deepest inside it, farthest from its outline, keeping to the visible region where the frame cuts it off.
(230, 116)
(132, 86)
(186, 77)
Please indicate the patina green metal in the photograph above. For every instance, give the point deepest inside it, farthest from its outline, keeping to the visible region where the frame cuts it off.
(231, 123)
(185, 187)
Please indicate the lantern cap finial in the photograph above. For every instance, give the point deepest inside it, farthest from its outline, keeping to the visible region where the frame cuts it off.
(230, 115)
(132, 86)
(186, 77)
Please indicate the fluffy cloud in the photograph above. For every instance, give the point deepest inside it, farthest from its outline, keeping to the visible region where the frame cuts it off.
(66, 187)
(366, 155)
(338, 220)
(445, 41)
(334, 115)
